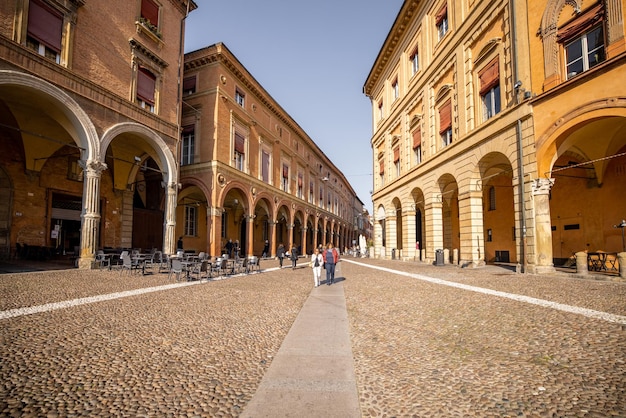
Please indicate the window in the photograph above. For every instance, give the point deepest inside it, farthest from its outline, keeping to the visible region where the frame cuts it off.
(489, 79)
(583, 41)
(150, 14)
(396, 89)
(188, 145)
(445, 123)
(417, 145)
(415, 64)
(381, 112)
(321, 196)
(191, 217)
(396, 160)
(381, 171)
(441, 22)
(240, 98)
(146, 84)
(189, 85)
(299, 192)
(240, 153)
(311, 193)
(45, 30)
(492, 198)
(285, 178)
(265, 166)
(489, 235)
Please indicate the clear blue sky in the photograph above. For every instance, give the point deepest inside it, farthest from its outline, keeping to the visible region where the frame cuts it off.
(313, 58)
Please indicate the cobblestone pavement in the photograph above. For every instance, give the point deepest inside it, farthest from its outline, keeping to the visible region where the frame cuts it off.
(420, 348)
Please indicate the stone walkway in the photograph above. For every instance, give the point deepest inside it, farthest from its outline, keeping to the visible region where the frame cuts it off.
(425, 341)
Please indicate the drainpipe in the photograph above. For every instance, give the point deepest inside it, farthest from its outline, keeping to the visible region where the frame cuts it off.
(518, 132)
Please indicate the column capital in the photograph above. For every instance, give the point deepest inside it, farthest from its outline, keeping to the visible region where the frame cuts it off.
(542, 186)
(93, 166)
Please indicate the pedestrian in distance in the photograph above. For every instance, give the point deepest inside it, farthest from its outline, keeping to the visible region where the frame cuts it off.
(280, 253)
(316, 263)
(266, 249)
(179, 244)
(229, 248)
(294, 256)
(331, 257)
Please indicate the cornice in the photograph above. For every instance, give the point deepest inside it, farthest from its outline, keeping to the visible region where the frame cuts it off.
(399, 27)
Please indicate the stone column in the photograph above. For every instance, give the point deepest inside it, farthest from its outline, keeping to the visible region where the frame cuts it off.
(90, 223)
(250, 235)
(543, 226)
(409, 227)
(472, 251)
(169, 227)
(273, 238)
(290, 234)
(433, 214)
(316, 228)
(304, 229)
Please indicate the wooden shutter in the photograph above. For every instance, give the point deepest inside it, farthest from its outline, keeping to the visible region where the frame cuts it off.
(396, 154)
(146, 83)
(150, 11)
(381, 170)
(240, 143)
(45, 25)
(265, 166)
(417, 138)
(581, 24)
(445, 116)
(285, 171)
(490, 76)
(189, 84)
(441, 14)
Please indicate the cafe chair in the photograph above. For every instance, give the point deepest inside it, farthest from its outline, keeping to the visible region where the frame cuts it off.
(254, 263)
(102, 260)
(215, 267)
(176, 268)
(127, 264)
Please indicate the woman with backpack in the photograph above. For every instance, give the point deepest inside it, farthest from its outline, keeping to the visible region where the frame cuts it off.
(316, 263)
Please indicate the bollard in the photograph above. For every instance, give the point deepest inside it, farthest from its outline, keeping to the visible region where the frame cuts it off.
(581, 263)
(621, 259)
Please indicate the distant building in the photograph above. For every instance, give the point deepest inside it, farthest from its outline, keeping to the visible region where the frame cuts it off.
(249, 172)
(494, 150)
(89, 125)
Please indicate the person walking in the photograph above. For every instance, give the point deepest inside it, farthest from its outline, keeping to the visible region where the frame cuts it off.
(331, 257)
(316, 263)
(280, 253)
(266, 249)
(229, 248)
(294, 256)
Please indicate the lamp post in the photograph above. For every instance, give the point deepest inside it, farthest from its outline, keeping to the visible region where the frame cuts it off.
(622, 225)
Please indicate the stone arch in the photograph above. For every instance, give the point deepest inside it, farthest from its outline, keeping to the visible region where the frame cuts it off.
(166, 158)
(82, 129)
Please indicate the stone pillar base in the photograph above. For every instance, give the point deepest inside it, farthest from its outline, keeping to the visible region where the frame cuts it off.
(541, 269)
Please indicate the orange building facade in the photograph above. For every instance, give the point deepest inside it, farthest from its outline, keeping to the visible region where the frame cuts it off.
(89, 125)
(498, 132)
(249, 173)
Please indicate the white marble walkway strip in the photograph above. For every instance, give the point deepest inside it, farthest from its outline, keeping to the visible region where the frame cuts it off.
(590, 313)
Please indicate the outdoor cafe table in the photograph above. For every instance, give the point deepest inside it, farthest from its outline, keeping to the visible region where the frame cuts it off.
(602, 261)
(140, 260)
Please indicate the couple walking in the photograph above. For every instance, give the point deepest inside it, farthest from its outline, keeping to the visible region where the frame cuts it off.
(328, 258)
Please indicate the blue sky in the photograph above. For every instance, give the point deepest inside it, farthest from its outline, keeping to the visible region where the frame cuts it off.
(313, 58)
